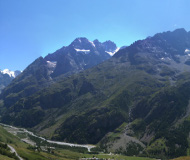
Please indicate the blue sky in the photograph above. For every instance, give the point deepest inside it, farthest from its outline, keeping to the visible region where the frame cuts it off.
(33, 28)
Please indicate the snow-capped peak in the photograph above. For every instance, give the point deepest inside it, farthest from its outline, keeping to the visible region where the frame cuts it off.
(83, 50)
(92, 43)
(10, 73)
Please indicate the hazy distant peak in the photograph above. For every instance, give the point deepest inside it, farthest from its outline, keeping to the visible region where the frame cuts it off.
(96, 41)
(123, 47)
(181, 30)
(11, 74)
(108, 41)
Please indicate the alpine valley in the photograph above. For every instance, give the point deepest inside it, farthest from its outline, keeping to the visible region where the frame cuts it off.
(133, 101)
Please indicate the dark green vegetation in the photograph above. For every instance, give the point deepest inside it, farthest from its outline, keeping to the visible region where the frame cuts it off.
(22, 149)
(4, 150)
(5, 79)
(145, 86)
(182, 158)
(45, 71)
(37, 152)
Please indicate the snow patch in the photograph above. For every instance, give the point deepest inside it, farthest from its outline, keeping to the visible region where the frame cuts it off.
(167, 58)
(92, 43)
(51, 64)
(117, 50)
(187, 51)
(83, 50)
(112, 53)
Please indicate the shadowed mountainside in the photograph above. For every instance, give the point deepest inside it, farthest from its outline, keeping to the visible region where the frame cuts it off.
(144, 86)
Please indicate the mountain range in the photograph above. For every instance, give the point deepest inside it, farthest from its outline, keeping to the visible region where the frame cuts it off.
(135, 102)
(80, 55)
(6, 76)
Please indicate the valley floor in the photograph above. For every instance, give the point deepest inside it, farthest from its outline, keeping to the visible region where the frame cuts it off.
(40, 150)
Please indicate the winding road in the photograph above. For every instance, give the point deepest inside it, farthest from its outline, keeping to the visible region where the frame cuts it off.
(14, 151)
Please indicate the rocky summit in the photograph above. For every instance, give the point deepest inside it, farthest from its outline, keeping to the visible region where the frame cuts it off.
(80, 55)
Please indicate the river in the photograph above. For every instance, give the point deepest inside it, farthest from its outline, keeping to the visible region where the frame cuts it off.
(89, 147)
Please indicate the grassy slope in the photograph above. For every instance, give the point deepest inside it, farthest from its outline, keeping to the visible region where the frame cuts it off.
(72, 96)
(119, 157)
(108, 90)
(22, 150)
(2, 157)
(61, 154)
(20, 147)
(182, 158)
(165, 115)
